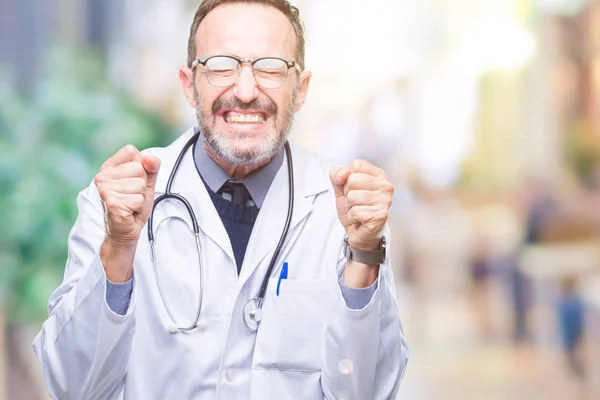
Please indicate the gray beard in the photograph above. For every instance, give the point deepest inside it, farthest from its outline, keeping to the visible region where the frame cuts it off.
(225, 149)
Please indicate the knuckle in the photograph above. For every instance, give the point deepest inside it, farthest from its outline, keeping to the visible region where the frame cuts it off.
(102, 192)
(111, 204)
(352, 180)
(130, 149)
(141, 185)
(137, 202)
(371, 228)
(137, 170)
(357, 165)
(351, 196)
(388, 188)
(384, 214)
(137, 185)
(122, 214)
(351, 213)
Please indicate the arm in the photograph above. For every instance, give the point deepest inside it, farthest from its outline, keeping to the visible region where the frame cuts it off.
(83, 346)
(369, 340)
(364, 352)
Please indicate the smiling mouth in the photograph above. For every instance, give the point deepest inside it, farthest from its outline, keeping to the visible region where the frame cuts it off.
(232, 117)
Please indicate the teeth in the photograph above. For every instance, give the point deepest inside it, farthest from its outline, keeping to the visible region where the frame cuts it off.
(245, 118)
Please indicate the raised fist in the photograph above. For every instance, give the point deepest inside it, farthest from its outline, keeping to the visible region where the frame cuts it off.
(126, 185)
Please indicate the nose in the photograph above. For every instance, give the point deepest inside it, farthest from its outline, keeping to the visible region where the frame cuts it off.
(246, 89)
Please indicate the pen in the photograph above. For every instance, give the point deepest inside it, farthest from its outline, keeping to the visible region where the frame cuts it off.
(282, 275)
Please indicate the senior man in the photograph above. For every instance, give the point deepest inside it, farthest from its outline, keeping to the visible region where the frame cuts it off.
(230, 264)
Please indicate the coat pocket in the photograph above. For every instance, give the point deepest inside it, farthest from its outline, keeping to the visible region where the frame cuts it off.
(290, 335)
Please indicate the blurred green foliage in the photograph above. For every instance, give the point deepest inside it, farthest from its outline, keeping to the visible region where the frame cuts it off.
(51, 146)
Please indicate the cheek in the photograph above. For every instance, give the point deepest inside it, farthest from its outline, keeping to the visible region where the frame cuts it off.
(283, 100)
(206, 98)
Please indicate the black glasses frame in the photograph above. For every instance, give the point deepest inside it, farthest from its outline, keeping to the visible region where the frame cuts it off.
(251, 61)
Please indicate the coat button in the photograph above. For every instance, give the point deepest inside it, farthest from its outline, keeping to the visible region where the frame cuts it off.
(230, 376)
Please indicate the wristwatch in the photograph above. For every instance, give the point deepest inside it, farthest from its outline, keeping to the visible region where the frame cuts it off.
(370, 257)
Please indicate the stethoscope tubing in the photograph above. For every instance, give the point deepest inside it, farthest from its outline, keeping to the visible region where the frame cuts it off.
(169, 195)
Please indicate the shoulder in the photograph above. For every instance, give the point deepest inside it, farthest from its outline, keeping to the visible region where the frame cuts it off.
(311, 170)
(172, 150)
(310, 160)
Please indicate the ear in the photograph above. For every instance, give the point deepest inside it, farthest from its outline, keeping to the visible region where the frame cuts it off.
(302, 89)
(186, 77)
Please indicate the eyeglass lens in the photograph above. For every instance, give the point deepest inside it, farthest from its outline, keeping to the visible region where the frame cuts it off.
(270, 73)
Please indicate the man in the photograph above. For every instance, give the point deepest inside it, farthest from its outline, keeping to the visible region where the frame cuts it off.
(125, 318)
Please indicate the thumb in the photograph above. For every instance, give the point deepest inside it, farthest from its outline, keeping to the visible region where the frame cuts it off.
(338, 177)
(152, 166)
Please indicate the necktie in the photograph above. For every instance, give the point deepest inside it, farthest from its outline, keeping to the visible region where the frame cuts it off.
(237, 190)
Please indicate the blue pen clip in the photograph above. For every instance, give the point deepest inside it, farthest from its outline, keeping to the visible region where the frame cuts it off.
(282, 275)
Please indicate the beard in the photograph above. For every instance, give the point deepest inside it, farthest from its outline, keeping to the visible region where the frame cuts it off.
(225, 147)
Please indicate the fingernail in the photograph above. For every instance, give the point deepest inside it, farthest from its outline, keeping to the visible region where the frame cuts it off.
(340, 173)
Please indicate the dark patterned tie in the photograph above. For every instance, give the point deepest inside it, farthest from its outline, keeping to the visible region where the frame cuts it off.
(237, 190)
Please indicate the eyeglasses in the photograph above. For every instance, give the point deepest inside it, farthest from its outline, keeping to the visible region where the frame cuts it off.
(224, 71)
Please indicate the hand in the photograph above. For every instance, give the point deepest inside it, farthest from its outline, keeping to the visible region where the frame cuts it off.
(363, 199)
(126, 185)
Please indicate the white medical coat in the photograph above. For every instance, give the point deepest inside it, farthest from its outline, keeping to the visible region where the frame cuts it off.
(308, 346)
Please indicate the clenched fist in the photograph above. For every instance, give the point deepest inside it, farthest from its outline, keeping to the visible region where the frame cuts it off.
(126, 185)
(363, 200)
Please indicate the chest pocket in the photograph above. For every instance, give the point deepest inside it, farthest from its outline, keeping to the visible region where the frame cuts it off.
(290, 335)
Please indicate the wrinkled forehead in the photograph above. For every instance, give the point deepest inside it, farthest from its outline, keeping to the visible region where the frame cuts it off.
(248, 30)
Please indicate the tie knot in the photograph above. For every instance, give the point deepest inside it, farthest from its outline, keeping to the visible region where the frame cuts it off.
(239, 194)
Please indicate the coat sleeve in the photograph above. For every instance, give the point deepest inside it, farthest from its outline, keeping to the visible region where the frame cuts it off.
(364, 351)
(83, 346)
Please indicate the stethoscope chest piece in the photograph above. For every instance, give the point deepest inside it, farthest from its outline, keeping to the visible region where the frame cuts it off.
(253, 314)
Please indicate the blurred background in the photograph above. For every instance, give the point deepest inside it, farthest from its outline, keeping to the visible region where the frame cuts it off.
(486, 115)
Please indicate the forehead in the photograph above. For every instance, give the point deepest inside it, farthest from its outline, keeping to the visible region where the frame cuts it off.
(246, 30)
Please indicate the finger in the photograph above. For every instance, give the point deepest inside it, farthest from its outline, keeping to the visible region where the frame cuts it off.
(361, 214)
(372, 218)
(366, 167)
(338, 177)
(362, 197)
(128, 185)
(132, 169)
(360, 181)
(126, 154)
(123, 205)
(151, 165)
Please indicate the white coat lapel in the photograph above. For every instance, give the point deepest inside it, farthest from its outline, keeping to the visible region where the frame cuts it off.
(187, 183)
(308, 182)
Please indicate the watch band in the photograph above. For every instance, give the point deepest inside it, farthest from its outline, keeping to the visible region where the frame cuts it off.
(370, 257)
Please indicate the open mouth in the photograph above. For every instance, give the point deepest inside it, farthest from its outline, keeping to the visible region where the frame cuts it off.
(236, 117)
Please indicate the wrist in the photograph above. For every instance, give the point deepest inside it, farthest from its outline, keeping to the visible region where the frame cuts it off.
(367, 253)
(117, 260)
(366, 245)
(358, 275)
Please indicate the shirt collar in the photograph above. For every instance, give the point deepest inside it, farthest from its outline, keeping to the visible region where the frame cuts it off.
(257, 183)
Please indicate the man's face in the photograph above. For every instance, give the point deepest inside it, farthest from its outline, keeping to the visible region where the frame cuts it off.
(245, 123)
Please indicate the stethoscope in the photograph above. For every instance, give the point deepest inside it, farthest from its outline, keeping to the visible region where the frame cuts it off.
(252, 313)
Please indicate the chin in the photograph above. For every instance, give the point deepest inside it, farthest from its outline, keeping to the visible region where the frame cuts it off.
(245, 149)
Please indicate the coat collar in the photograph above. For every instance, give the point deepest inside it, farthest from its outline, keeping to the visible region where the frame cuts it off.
(310, 179)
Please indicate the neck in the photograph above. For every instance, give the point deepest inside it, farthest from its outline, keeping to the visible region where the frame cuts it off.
(234, 171)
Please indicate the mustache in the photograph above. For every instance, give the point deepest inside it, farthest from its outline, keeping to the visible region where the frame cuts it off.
(233, 103)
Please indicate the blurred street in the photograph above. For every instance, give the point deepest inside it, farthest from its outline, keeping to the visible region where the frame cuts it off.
(451, 360)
